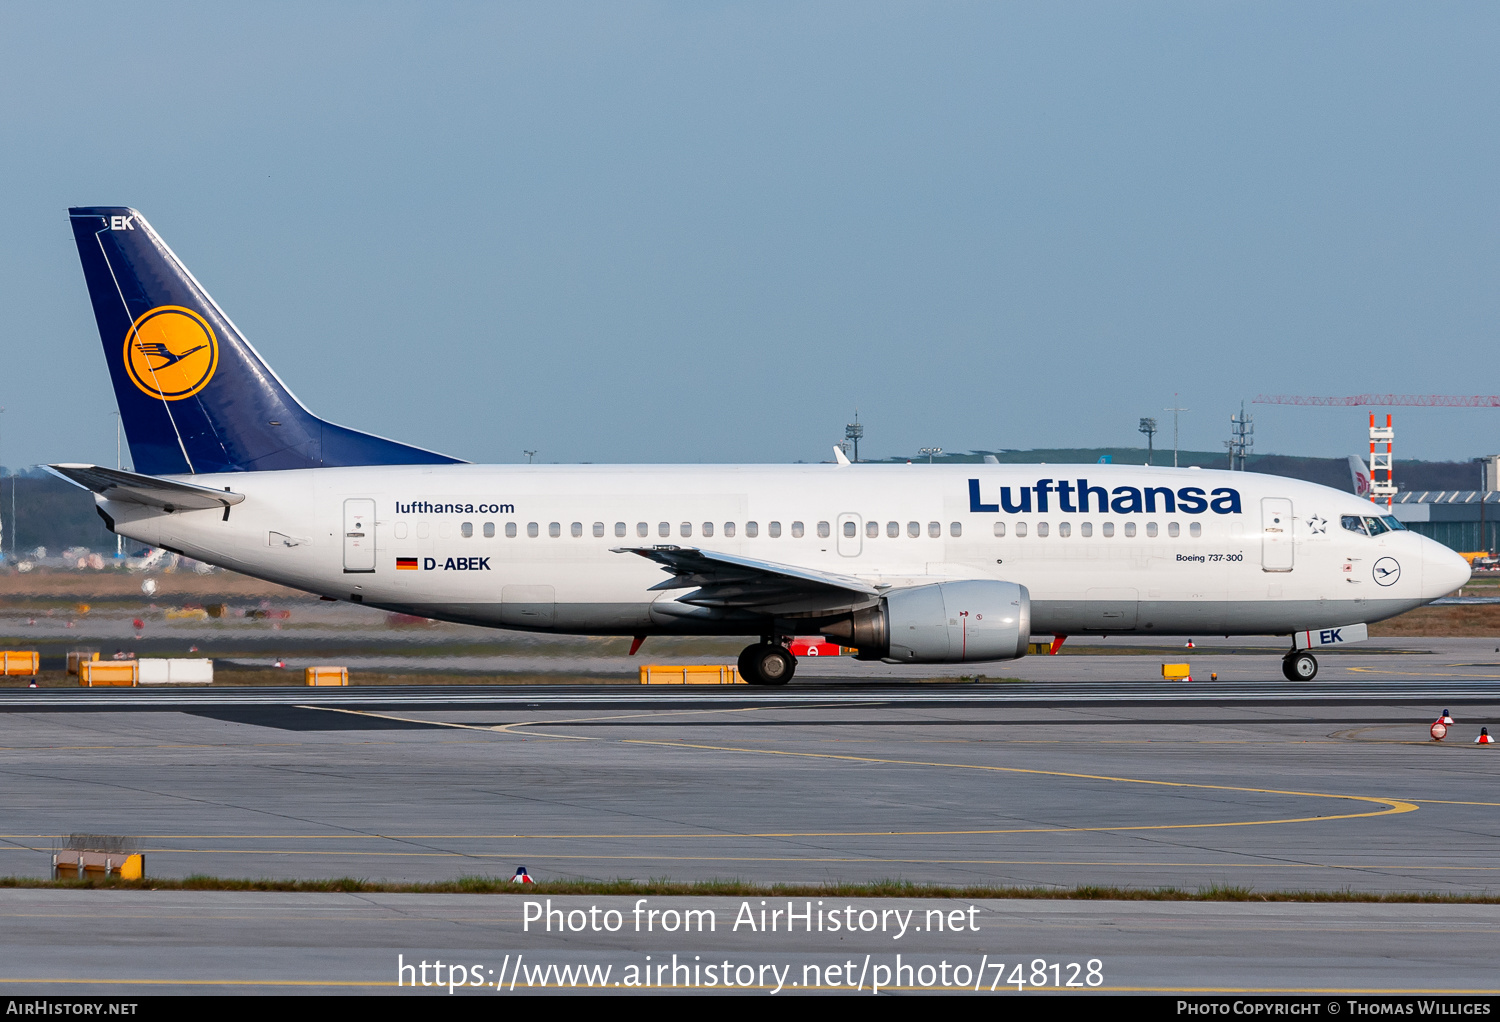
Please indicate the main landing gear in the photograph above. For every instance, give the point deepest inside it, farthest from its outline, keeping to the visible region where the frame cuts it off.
(767, 663)
(1299, 665)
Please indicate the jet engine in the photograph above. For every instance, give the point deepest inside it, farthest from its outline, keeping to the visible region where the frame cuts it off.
(942, 623)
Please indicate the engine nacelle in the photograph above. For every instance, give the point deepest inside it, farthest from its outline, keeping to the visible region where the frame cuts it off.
(943, 623)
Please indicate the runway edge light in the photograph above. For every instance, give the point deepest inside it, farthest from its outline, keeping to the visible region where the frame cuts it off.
(1446, 718)
(1484, 737)
(522, 877)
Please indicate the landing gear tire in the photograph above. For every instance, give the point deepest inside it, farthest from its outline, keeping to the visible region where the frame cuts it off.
(767, 664)
(1299, 666)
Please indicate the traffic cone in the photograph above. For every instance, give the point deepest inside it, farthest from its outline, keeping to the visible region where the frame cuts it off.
(522, 877)
(1190, 644)
(1445, 718)
(1484, 737)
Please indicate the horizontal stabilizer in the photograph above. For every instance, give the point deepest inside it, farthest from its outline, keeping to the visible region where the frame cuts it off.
(149, 491)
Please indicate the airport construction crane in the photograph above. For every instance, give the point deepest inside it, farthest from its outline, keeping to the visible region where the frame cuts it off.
(1387, 400)
(1382, 439)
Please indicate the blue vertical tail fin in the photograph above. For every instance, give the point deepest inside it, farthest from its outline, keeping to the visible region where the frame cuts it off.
(194, 396)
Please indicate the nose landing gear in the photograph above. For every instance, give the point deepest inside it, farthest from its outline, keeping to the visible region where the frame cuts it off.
(767, 663)
(1299, 665)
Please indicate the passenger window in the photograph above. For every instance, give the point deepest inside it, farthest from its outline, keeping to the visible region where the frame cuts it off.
(729, 530)
(1086, 529)
(914, 529)
(849, 530)
(577, 529)
(620, 530)
(1151, 529)
(510, 530)
(752, 530)
(1376, 526)
(708, 528)
(1129, 529)
(872, 529)
(1041, 528)
(400, 530)
(664, 529)
(822, 530)
(642, 529)
(1174, 530)
(893, 529)
(686, 529)
(774, 530)
(554, 529)
(532, 530)
(956, 529)
(1109, 529)
(935, 529)
(1195, 530)
(1354, 523)
(1064, 529)
(1020, 528)
(598, 530)
(796, 530)
(466, 530)
(999, 528)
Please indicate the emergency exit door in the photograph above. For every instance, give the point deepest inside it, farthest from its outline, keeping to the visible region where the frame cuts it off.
(359, 535)
(849, 540)
(1276, 550)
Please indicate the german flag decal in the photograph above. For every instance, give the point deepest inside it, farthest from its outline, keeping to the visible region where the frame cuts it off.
(406, 564)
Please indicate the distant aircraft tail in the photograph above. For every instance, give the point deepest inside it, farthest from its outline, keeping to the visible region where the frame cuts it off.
(194, 395)
(1361, 476)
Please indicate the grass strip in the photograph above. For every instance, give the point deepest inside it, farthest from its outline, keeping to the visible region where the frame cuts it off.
(740, 888)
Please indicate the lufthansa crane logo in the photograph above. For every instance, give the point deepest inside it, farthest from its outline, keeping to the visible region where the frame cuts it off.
(171, 352)
(1387, 571)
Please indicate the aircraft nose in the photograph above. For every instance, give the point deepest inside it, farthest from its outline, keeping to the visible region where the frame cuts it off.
(1443, 570)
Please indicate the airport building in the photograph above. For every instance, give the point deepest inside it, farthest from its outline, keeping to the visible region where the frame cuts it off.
(1465, 520)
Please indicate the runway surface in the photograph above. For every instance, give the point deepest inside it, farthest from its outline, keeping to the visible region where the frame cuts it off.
(1091, 772)
(1093, 776)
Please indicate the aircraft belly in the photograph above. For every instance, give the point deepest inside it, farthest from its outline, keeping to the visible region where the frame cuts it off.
(1210, 617)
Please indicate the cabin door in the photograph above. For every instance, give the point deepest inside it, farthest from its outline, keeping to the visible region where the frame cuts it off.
(359, 535)
(850, 541)
(1276, 551)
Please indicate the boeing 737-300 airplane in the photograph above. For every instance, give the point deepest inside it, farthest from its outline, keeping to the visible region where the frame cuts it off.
(908, 563)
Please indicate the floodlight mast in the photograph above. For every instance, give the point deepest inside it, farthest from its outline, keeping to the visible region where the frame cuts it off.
(852, 432)
(1148, 427)
(1174, 412)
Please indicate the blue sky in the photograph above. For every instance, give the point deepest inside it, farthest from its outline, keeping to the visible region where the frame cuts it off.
(710, 232)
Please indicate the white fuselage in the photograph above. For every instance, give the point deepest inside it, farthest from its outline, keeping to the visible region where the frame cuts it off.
(534, 547)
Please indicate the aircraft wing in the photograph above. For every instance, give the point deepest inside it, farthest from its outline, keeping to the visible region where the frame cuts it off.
(163, 494)
(745, 583)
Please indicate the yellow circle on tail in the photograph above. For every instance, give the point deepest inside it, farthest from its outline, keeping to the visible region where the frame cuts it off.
(171, 352)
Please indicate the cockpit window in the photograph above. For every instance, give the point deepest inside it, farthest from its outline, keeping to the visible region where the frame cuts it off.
(1376, 526)
(1392, 523)
(1354, 523)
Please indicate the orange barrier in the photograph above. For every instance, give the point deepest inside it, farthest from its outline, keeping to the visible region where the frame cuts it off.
(327, 675)
(19, 662)
(97, 673)
(79, 656)
(71, 862)
(691, 674)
